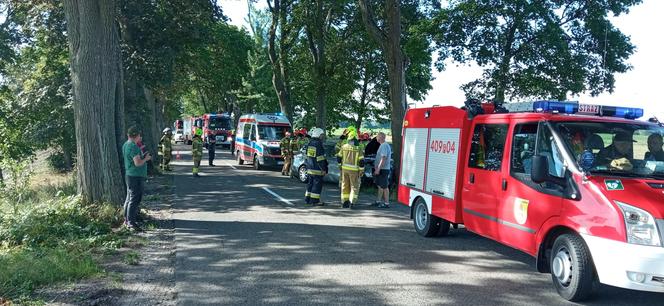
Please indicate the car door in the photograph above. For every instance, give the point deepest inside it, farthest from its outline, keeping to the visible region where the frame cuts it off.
(484, 176)
(526, 205)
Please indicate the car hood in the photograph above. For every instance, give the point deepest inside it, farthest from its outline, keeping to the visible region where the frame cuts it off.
(642, 193)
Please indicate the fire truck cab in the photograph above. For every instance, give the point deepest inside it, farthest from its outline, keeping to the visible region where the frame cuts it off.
(257, 139)
(579, 187)
(217, 128)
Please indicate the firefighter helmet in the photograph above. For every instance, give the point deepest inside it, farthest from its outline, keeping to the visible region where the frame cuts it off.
(302, 132)
(166, 130)
(317, 132)
(199, 132)
(352, 133)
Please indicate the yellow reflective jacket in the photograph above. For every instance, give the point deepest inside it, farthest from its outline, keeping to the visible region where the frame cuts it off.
(352, 156)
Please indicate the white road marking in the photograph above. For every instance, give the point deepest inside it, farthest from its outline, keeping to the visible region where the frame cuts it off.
(278, 196)
(227, 164)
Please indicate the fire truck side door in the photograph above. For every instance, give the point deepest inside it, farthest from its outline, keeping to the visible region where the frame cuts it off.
(526, 205)
(482, 189)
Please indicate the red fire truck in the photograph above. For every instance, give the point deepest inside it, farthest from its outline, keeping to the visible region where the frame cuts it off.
(219, 127)
(579, 187)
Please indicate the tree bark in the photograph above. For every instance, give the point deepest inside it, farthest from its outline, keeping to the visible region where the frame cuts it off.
(504, 65)
(277, 58)
(97, 90)
(390, 42)
(316, 31)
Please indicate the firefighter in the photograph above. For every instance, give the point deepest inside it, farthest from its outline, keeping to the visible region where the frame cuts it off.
(337, 147)
(286, 153)
(166, 149)
(351, 159)
(197, 150)
(316, 167)
(212, 147)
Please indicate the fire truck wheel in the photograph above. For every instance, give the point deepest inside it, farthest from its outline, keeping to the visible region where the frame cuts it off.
(257, 164)
(426, 225)
(572, 269)
(240, 161)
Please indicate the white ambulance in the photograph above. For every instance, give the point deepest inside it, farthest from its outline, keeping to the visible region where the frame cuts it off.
(257, 139)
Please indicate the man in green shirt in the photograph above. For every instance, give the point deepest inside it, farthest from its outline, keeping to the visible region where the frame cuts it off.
(136, 172)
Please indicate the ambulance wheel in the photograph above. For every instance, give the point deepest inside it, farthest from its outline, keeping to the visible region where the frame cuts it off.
(240, 161)
(572, 269)
(426, 225)
(257, 164)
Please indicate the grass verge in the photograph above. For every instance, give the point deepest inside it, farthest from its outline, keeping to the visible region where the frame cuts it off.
(48, 235)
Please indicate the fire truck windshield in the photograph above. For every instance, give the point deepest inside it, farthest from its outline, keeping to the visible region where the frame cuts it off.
(617, 149)
(219, 123)
(271, 133)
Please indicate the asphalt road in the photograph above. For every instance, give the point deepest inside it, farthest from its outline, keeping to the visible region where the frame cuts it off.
(245, 237)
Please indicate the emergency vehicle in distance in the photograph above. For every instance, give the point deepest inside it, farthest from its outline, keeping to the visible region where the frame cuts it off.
(189, 128)
(579, 187)
(218, 126)
(178, 127)
(257, 139)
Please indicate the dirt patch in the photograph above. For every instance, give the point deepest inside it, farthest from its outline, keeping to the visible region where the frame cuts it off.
(149, 279)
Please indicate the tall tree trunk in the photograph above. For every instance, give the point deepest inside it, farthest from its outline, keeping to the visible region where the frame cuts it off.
(277, 59)
(97, 90)
(316, 30)
(504, 65)
(390, 42)
(151, 131)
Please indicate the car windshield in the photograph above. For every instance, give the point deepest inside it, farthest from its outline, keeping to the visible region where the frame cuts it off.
(615, 148)
(271, 133)
(218, 123)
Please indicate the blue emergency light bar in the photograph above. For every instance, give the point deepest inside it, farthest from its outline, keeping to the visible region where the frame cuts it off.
(563, 107)
(573, 107)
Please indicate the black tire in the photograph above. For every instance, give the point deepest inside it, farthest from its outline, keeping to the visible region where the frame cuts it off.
(444, 228)
(240, 161)
(426, 224)
(572, 268)
(302, 174)
(257, 164)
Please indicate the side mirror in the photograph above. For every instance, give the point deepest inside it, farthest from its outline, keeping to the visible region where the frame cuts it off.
(540, 172)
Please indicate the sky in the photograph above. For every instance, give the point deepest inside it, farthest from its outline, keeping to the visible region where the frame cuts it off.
(638, 87)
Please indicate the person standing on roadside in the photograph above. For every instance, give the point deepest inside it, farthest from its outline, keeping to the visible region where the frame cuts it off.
(212, 149)
(286, 153)
(136, 172)
(382, 171)
(166, 149)
(197, 150)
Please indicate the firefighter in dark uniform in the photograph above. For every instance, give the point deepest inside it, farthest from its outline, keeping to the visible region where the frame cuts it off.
(212, 147)
(351, 159)
(286, 153)
(316, 167)
(197, 150)
(166, 149)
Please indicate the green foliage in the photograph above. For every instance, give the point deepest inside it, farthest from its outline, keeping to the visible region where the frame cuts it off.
(47, 239)
(35, 90)
(540, 49)
(131, 258)
(24, 269)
